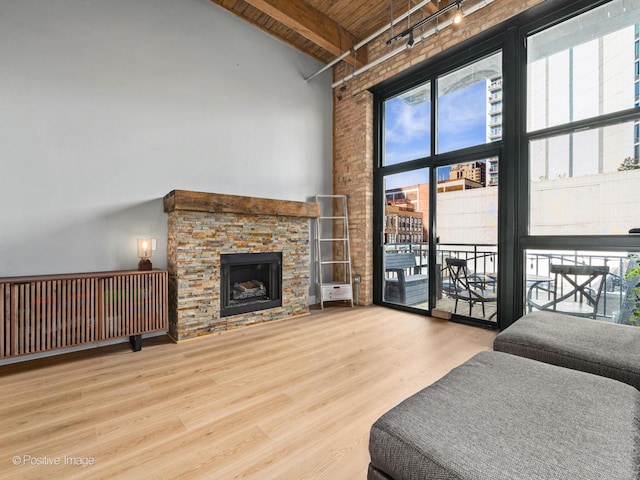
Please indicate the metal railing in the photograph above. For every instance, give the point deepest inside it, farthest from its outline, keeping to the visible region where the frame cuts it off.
(482, 259)
(615, 288)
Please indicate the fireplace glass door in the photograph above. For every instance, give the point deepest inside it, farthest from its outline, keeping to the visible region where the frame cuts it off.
(250, 282)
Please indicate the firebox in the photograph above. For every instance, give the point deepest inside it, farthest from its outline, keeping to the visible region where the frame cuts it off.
(250, 282)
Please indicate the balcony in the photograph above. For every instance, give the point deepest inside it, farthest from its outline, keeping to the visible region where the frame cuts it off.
(482, 261)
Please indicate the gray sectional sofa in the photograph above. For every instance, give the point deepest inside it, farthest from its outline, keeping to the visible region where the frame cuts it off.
(556, 399)
(607, 349)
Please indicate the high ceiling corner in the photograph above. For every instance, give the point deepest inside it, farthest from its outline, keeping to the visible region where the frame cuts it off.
(325, 29)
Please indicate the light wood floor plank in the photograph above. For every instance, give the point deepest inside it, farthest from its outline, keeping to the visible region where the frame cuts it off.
(292, 399)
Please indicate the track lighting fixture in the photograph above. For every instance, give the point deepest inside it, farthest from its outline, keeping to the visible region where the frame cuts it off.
(411, 41)
(409, 31)
(458, 16)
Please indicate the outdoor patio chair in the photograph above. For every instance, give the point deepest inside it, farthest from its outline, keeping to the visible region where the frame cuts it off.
(404, 284)
(466, 287)
(575, 290)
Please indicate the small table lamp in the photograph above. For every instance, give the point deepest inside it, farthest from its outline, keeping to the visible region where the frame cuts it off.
(144, 253)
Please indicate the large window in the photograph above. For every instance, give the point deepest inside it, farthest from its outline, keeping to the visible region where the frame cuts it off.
(534, 166)
(583, 124)
(583, 167)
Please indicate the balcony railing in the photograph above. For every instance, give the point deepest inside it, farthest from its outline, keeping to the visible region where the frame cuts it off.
(615, 288)
(483, 259)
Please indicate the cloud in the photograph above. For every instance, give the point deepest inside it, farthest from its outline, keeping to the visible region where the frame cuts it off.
(467, 106)
(404, 123)
(462, 122)
(462, 118)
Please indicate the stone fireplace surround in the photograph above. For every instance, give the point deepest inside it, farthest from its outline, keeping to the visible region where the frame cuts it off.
(202, 226)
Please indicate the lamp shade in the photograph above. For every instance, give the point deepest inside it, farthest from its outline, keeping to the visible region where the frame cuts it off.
(144, 248)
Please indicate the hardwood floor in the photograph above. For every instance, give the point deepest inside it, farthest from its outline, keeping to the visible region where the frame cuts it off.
(293, 399)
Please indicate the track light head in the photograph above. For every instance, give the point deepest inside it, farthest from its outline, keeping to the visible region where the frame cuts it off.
(409, 31)
(411, 41)
(457, 18)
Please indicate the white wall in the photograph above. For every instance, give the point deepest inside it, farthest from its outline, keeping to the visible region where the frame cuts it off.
(106, 106)
(468, 216)
(587, 205)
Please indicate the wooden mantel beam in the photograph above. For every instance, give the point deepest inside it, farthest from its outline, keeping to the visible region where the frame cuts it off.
(311, 24)
(221, 203)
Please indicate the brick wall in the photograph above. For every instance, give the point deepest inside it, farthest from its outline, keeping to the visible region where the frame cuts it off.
(353, 124)
(195, 242)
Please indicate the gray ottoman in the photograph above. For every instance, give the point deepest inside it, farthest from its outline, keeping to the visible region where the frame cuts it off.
(503, 417)
(608, 349)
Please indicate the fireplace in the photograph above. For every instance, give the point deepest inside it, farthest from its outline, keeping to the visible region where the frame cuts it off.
(250, 282)
(203, 228)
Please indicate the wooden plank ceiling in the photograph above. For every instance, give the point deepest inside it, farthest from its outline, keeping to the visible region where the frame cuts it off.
(324, 29)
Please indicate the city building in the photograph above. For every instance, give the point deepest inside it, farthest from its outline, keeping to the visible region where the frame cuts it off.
(403, 224)
(476, 171)
(456, 185)
(406, 214)
(494, 124)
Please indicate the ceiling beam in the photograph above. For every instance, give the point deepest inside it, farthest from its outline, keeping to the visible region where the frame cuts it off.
(312, 24)
(431, 8)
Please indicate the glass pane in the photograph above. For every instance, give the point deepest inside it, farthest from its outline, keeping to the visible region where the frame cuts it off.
(406, 217)
(585, 183)
(470, 105)
(584, 67)
(407, 126)
(467, 222)
(612, 294)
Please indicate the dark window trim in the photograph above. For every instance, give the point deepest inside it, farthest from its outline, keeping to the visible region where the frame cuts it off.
(598, 243)
(606, 120)
(513, 239)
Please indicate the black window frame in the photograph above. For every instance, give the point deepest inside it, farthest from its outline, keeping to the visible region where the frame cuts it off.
(514, 240)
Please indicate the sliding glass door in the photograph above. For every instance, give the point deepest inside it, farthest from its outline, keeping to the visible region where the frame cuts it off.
(405, 201)
(405, 247)
(467, 230)
(438, 200)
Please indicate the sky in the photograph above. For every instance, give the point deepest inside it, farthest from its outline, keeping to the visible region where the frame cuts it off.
(462, 122)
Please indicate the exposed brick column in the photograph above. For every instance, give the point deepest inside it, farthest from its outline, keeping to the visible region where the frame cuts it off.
(353, 176)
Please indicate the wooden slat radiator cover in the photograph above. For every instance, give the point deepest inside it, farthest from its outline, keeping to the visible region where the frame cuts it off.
(38, 314)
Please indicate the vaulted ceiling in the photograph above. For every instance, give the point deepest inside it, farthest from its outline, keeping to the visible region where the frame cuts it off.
(324, 29)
